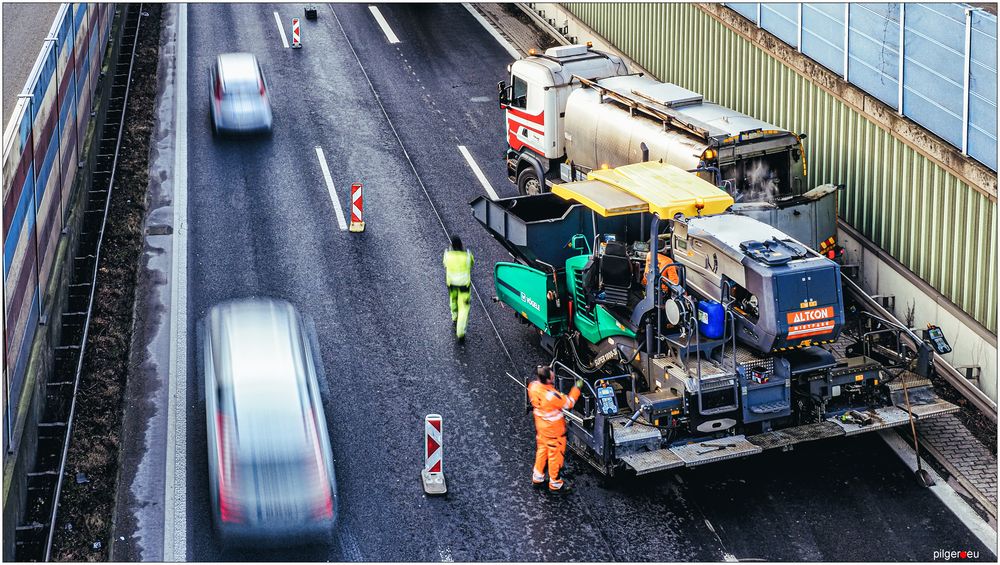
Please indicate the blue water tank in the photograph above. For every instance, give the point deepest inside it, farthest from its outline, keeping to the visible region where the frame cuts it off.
(711, 319)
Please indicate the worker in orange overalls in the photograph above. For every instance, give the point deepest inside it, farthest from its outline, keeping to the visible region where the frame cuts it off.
(550, 427)
(661, 261)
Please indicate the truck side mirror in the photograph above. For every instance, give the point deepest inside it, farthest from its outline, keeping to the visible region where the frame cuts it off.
(502, 94)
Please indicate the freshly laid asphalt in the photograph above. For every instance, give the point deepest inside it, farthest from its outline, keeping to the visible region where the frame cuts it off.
(262, 224)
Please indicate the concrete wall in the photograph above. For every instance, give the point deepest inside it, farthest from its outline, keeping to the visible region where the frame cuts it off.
(882, 275)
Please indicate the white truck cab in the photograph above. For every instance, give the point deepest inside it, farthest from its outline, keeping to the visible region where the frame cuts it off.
(536, 97)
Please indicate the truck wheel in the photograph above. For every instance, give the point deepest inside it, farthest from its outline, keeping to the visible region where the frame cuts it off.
(528, 182)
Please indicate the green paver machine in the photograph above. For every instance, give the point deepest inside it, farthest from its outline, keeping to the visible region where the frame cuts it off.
(701, 335)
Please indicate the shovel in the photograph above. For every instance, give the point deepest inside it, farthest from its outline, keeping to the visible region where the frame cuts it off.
(923, 477)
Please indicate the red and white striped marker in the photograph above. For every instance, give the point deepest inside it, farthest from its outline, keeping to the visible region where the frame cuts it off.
(432, 475)
(357, 207)
(296, 39)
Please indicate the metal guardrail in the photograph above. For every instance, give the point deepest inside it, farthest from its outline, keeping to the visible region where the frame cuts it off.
(130, 9)
(35, 535)
(552, 30)
(951, 375)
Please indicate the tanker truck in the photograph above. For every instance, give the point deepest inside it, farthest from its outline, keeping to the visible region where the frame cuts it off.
(574, 109)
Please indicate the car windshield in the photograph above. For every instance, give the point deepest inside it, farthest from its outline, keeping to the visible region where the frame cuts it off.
(242, 86)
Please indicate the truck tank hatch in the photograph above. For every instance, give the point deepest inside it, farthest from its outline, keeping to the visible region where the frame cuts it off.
(670, 95)
(774, 251)
(566, 50)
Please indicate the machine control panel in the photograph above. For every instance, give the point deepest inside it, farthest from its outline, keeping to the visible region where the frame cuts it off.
(606, 402)
(935, 337)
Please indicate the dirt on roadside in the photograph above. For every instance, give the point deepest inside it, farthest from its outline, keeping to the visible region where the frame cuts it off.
(86, 508)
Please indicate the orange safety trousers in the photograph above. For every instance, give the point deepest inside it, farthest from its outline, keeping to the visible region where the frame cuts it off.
(549, 450)
(550, 430)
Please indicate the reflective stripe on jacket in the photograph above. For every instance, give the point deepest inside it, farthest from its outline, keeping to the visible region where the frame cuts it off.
(458, 267)
(548, 404)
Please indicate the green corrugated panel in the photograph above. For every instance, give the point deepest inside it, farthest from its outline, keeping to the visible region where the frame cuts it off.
(940, 228)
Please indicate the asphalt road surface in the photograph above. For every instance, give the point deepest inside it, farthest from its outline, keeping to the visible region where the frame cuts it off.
(262, 223)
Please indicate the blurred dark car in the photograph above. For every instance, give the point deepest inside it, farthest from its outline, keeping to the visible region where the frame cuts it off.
(240, 102)
(270, 466)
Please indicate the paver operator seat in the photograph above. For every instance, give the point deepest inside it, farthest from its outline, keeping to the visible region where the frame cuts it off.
(615, 274)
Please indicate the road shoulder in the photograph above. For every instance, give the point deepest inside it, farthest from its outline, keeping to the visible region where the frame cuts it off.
(137, 534)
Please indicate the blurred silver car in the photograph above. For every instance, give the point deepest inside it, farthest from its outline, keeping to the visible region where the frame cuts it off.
(270, 465)
(239, 95)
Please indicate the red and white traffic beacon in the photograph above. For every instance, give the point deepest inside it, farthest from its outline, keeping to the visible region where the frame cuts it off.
(433, 474)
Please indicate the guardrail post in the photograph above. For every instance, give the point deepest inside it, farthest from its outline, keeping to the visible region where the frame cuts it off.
(34, 201)
(57, 132)
(798, 39)
(902, 56)
(847, 38)
(965, 81)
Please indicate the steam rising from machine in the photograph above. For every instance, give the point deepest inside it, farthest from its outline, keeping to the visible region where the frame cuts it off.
(761, 182)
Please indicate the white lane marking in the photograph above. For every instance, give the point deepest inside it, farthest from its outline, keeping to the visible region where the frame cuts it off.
(384, 25)
(329, 186)
(478, 172)
(175, 495)
(445, 555)
(281, 30)
(941, 489)
(496, 35)
(423, 187)
(349, 546)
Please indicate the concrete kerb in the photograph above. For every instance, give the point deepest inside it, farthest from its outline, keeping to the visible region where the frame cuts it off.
(41, 359)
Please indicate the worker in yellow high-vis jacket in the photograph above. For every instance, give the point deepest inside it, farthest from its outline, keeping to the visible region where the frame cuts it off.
(458, 275)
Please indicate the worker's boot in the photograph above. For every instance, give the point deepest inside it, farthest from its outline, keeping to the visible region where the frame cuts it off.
(566, 488)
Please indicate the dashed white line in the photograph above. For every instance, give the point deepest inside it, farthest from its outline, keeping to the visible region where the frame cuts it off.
(423, 187)
(175, 484)
(333, 191)
(478, 172)
(384, 25)
(500, 39)
(281, 30)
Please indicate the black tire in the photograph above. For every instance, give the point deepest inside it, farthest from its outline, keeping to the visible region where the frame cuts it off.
(529, 183)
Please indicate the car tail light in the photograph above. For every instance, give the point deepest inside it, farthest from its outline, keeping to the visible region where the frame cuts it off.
(325, 508)
(230, 510)
(263, 90)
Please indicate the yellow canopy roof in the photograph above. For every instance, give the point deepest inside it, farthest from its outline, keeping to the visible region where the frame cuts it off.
(651, 187)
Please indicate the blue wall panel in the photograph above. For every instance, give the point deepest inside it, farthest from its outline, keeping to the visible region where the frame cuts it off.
(873, 50)
(934, 47)
(823, 34)
(782, 20)
(983, 90)
(933, 68)
(747, 10)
